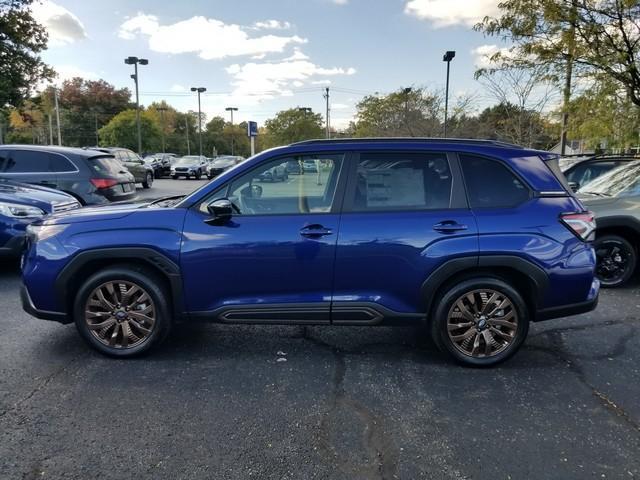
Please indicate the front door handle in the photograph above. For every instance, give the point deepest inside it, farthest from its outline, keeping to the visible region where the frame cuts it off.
(449, 226)
(315, 231)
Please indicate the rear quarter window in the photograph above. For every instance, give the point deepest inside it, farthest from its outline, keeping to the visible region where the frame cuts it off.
(104, 165)
(490, 184)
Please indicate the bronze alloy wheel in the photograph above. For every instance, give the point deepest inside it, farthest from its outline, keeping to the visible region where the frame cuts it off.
(120, 314)
(482, 323)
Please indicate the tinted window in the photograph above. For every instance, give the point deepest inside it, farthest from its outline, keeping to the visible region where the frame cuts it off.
(25, 161)
(397, 181)
(271, 189)
(58, 163)
(491, 184)
(106, 165)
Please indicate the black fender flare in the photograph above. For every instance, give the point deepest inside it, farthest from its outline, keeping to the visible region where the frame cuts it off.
(158, 261)
(448, 269)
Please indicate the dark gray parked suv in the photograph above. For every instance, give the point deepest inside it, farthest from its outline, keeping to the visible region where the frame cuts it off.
(90, 176)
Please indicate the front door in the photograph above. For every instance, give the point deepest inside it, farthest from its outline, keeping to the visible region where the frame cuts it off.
(405, 214)
(273, 261)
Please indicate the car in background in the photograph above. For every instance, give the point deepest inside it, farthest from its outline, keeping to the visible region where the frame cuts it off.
(310, 166)
(221, 164)
(460, 236)
(277, 173)
(581, 170)
(615, 199)
(156, 164)
(20, 205)
(165, 161)
(189, 166)
(92, 177)
(142, 171)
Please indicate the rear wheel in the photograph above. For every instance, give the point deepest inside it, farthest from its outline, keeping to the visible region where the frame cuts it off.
(148, 181)
(616, 260)
(175, 177)
(480, 322)
(122, 311)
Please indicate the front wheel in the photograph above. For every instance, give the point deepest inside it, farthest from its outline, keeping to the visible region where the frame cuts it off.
(198, 175)
(616, 260)
(480, 322)
(122, 311)
(148, 181)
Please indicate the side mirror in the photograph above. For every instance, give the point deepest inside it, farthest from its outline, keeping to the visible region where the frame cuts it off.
(221, 210)
(575, 186)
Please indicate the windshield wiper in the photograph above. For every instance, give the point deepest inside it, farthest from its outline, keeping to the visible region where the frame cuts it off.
(597, 194)
(166, 199)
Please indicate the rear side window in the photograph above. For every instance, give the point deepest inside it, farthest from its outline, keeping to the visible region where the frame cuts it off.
(58, 163)
(106, 165)
(402, 181)
(25, 161)
(491, 184)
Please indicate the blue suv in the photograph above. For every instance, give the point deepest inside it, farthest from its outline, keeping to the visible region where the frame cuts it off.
(473, 239)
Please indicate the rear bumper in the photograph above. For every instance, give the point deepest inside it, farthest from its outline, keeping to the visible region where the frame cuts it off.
(573, 309)
(29, 307)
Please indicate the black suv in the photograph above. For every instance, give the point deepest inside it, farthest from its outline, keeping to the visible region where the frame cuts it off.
(90, 176)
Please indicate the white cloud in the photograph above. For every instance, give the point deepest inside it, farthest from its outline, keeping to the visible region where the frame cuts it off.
(208, 37)
(444, 13)
(340, 2)
(321, 82)
(63, 26)
(271, 79)
(272, 25)
(297, 55)
(482, 55)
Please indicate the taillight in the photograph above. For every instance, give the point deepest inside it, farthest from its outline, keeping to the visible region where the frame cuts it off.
(103, 182)
(582, 224)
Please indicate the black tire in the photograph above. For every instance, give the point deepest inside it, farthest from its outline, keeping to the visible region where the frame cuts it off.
(458, 291)
(198, 175)
(616, 260)
(148, 181)
(149, 282)
(175, 177)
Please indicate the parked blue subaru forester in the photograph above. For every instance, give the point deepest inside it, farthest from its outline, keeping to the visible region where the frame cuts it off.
(473, 238)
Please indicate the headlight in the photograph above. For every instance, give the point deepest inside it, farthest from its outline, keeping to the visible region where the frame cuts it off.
(16, 210)
(42, 232)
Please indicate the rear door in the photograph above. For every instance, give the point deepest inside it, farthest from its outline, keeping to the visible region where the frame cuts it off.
(404, 215)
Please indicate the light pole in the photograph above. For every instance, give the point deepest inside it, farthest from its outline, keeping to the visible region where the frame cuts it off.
(448, 56)
(135, 61)
(232, 109)
(199, 90)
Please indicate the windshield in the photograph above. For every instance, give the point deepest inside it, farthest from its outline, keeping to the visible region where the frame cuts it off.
(621, 181)
(187, 161)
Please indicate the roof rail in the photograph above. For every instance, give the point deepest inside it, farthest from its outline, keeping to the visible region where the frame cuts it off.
(467, 141)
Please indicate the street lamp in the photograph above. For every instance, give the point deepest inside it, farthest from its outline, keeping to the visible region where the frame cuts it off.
(232, 109)
(448, 56)
(199, 90)
(135, 61)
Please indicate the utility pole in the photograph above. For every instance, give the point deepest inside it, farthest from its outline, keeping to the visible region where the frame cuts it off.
(568, 74)
(186, 124)
(135, 61)
(232, 109)
(448, 56)
(200, 90)
(162, 110)
(96, 126)
(50, 130)
(328, 118)
(55, 98)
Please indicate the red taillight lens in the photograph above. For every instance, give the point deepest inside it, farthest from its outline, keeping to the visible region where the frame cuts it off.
(103, 182)
(582, 224)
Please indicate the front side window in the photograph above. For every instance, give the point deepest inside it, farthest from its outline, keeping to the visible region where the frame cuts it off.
(490, 184)
(402, 181)
(292, 185)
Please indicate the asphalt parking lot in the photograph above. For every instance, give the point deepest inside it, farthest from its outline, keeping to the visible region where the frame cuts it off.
(237, 402)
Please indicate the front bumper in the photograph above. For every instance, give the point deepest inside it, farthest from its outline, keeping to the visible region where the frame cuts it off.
(29, 307)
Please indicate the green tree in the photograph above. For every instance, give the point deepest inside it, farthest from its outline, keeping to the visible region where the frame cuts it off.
(290, 126)
(22, 40)
(408, 112)
(85, 107)
(121, 131)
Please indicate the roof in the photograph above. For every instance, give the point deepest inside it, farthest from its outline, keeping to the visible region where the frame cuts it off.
(81, 152)
(463, 141)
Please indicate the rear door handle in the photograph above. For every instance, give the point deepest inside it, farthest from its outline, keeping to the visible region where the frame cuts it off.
(449, 226)
(315, 231)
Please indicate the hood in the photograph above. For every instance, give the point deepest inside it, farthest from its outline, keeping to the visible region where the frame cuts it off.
(596, 201)
(604, 206)
(90, 214)
(223, 163)
(32, 195)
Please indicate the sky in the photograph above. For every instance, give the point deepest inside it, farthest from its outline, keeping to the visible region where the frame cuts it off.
(263, 56)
